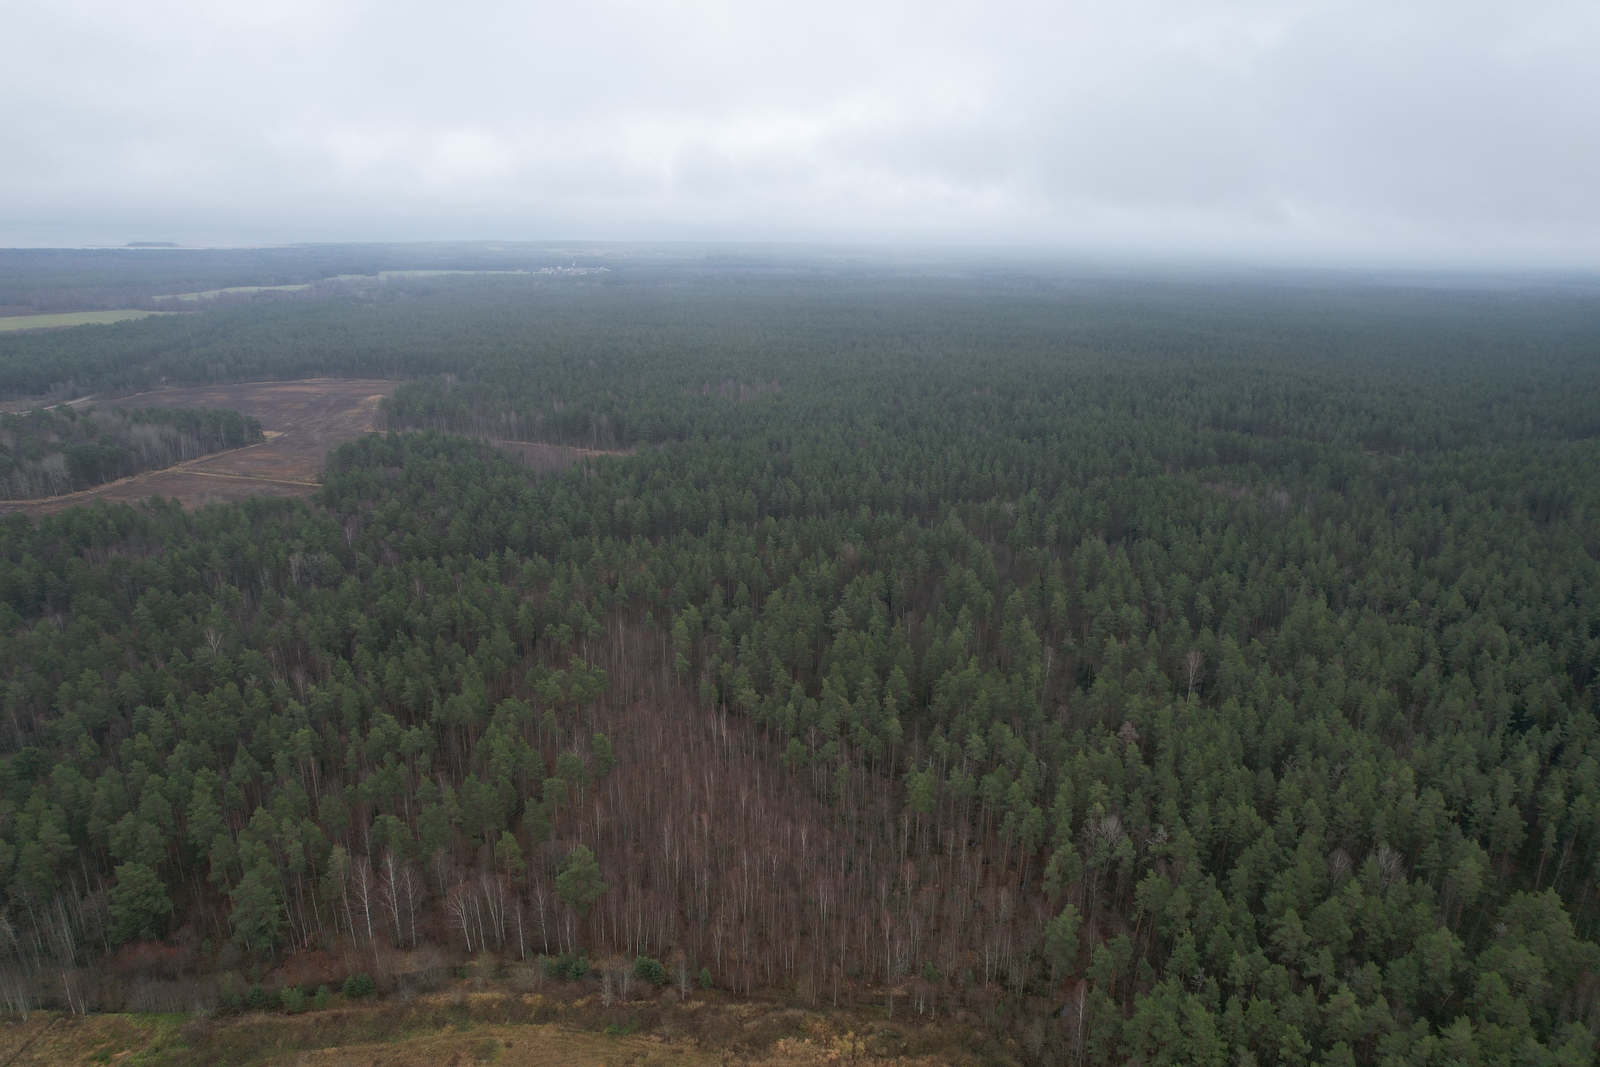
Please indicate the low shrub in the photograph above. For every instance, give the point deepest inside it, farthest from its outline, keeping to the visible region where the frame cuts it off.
(359, 985)
(566, 965)
(648, 970)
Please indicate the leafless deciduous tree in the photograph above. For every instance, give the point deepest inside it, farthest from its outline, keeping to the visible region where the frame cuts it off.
(389, 893)
(1194, 669)
(364, 893)
(458, 905)
(412, 895)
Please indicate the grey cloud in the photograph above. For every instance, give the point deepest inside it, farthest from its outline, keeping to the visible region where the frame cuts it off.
(1427, 131)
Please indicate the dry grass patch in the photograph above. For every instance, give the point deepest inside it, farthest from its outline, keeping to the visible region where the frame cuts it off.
(486, 1022)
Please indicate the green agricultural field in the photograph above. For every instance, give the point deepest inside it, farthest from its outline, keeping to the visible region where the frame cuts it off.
(235, 289)
(72, 318)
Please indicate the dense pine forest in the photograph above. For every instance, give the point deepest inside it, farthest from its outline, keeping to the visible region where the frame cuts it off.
(1160, 671)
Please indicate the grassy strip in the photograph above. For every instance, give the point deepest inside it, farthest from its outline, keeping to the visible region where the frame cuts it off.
(494, 1025)
(72, 318)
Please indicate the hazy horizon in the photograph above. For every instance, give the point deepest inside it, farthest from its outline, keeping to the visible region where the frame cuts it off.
(1355, 134)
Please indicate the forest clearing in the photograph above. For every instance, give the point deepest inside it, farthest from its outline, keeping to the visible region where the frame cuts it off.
(302, 420)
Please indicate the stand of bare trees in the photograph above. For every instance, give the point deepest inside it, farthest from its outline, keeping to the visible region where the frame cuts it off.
(43, 943)
(717, 857)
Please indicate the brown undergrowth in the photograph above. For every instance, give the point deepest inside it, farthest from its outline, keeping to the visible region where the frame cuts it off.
(492, 1021)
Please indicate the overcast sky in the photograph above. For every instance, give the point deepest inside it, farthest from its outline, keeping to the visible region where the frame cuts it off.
(1379, 132)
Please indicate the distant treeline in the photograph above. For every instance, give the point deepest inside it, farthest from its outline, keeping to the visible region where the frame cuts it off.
(77, 279)
(51, 451)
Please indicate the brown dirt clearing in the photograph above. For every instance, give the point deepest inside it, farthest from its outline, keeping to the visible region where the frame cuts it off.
(303, 419)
